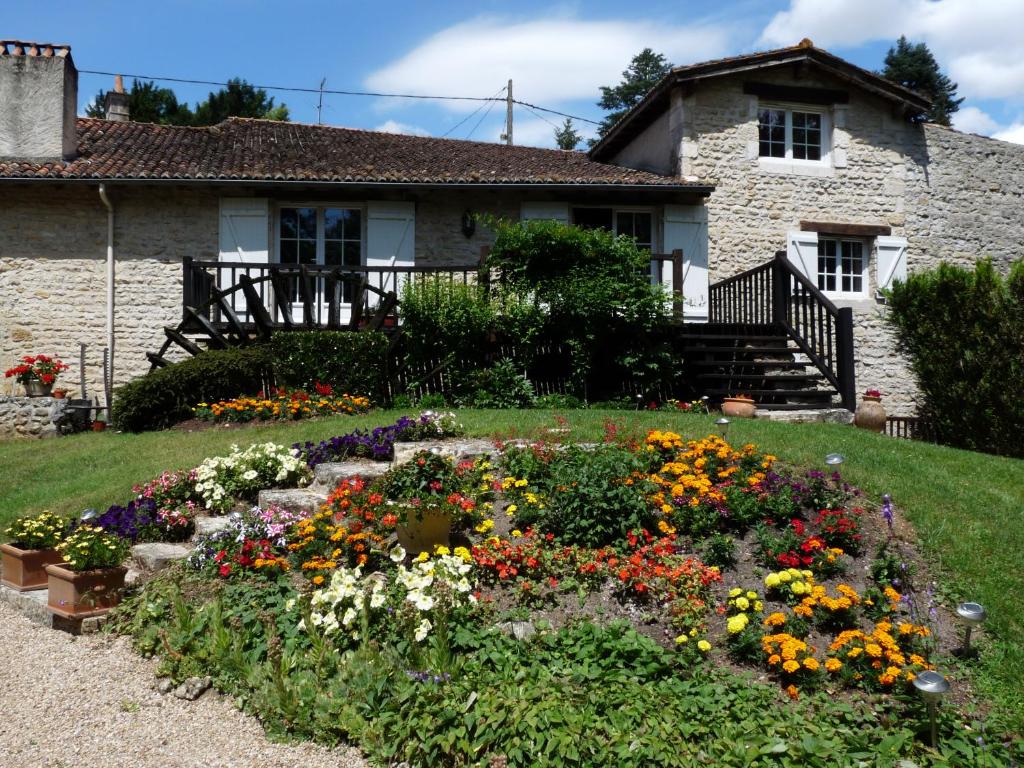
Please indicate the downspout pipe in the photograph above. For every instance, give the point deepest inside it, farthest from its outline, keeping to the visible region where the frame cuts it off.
(110, 293)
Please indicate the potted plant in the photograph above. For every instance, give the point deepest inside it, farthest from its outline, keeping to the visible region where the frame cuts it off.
(37, 373)
(424, 495)
(32, 547)
(59, 393)
(100, 422)
(739, 406)
(91, 579)
(870, 414)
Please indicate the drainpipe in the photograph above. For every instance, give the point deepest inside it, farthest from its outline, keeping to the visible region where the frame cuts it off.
(110, 292)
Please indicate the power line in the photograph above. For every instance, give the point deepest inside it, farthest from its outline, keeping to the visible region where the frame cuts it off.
(339, 92)
(470, 115)
(482, 118)
(539, 115)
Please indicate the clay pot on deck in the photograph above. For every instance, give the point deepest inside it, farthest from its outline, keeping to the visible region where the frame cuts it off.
(426, 530)
(739, 407)
(25, 569)
(82, 594)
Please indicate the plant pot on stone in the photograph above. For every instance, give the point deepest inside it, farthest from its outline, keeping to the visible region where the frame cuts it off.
(91, 580)
(37, 373)
(870, 414)
(740, 406)
(32, 548)
(423, 527)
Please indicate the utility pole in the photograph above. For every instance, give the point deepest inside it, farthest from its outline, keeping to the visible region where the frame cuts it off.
(507, 135)
(320, 104)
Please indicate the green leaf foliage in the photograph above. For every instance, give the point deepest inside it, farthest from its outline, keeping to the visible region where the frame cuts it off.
(166, 396)
(352, 363)
(964, 332)
(913, 66)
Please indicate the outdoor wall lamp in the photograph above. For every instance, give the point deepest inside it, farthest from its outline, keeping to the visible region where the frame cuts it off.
(468, 224)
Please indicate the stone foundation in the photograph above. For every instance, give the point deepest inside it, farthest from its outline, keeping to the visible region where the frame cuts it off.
(26, 417)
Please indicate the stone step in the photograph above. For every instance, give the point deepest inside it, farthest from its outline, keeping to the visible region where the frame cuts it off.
(156, 556)
(299, 500)
(329, 474)
(206, 526)
(460, 449)
(800, 415)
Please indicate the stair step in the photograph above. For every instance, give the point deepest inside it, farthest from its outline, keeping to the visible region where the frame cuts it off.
(815, 393)
(766, 350)
(775, 337)
(741, 364)
(780, 377)
(800, 407)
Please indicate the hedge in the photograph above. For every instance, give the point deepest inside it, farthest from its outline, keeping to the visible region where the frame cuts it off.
(353, 363)
(166, 396)
(964, 333)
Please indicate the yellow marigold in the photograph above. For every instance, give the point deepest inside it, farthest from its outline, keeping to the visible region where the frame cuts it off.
(811, 663)
(833, 665)
(873, 650)
(791, 666)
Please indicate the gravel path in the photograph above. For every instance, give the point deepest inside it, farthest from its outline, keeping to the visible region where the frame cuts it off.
(124, 722)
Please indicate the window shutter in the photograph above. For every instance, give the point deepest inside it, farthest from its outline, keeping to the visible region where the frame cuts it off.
(802, 250)
(245, 229)
(891, 262)
(686, 227)
(244, 237)
(545, 212)
(390, 241)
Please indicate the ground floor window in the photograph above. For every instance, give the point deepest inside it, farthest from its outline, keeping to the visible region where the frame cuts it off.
(636, 224)
(842, 266)
(320, 235)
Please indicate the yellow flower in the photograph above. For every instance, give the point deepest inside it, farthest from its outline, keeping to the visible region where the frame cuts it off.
(833, 665)
(704, 646)
(811, 663)
(791, 666)
(682, 639)
(516, 533)
(737, 623)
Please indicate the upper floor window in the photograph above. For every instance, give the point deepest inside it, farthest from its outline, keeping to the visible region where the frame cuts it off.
(792, 134)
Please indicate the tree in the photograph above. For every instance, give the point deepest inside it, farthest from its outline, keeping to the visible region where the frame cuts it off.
(912, 65)
(239, 99)
(147, 103)
(567, 137)
(644, 72)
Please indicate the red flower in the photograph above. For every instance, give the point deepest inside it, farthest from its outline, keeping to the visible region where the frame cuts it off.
(225, 570)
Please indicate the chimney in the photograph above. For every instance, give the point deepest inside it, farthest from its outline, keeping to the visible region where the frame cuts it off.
(116, 102)
(39, 94)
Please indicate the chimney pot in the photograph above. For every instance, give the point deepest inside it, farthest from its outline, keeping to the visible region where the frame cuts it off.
(118, 84)
(115, 103)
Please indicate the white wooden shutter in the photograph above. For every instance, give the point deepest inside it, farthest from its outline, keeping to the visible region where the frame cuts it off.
(686, 227)
(390, 241)
(802, 250)
(245, 238)
(891, 263)
(545, 212)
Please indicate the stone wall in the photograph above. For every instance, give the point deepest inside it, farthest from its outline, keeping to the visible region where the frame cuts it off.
(26, 417)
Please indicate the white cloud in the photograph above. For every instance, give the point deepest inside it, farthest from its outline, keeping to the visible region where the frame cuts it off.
(1014, 133)
(393, 126)
(549, 59)
(974, 120)
(978, 42)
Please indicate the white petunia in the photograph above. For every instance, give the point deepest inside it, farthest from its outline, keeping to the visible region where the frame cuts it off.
(423, 630)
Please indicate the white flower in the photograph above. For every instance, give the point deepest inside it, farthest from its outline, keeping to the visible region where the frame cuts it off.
(348, 617)
(376, 599)
(252, 474)
(422, 601)
(397, 554)
(423, 630)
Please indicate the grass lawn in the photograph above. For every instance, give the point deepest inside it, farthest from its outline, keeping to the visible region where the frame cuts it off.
(968, 508)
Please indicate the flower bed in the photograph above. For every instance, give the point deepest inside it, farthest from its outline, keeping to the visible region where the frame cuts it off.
(574, 619)
(282, 404)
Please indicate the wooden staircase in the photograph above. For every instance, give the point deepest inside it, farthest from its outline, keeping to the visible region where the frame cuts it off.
(774, 336)
(725, 359)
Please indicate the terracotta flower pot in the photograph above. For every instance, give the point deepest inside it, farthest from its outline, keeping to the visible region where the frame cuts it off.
(37, 388)
(422, 534)
(870, 414)
(99, 426)
(25, 569)
(60, 394)
(739, 407)
(81, 594)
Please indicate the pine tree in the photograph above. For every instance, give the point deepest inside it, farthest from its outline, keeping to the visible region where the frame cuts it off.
(913, 65)
(239, 99)
(644, 72)
(567, 137)
(147, 103)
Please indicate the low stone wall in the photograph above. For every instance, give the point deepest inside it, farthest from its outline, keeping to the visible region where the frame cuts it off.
(26, 417)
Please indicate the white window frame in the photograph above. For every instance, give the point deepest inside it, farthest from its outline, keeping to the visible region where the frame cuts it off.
(320, 249)
(789, 162)
(865, 244)
(616, 210)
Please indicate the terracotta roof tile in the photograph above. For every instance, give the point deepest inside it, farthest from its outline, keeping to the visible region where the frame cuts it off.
(265, 150)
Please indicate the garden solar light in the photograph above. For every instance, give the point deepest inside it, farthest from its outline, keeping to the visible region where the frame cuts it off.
(834, 459)
(932, 686)
(89, 514)
(971, 614)
(723, 426)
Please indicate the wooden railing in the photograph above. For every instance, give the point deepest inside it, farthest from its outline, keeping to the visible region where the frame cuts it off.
(231, 293)
(909, 428)
(777, 294)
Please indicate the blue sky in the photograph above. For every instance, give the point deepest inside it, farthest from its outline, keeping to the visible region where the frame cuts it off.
(557, 54)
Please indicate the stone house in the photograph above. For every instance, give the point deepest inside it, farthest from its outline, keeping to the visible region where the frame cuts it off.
(728, 161)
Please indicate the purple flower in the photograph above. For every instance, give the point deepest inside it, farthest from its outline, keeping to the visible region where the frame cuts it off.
(887, 510)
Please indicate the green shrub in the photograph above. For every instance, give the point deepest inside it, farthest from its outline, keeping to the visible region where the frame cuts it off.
(598, 299)
(166, 396)
(964, 333)
(352, 363)
(445, 320)
(500, 386)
